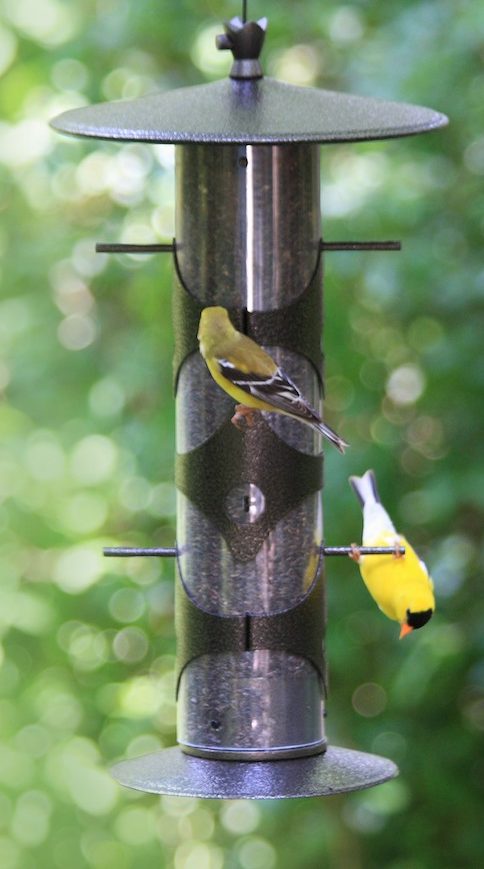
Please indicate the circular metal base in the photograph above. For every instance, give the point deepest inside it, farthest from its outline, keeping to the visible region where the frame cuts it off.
(172, 772)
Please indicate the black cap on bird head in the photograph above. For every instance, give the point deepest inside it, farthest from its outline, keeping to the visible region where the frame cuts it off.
(414, 621)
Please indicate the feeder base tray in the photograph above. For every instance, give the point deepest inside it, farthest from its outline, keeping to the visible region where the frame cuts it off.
(336, 771)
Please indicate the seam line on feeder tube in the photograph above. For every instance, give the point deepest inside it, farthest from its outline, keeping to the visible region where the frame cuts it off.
(249, 240)
(247, 627)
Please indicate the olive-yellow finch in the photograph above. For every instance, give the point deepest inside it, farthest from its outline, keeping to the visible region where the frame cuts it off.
(400, 585)
(250, 376)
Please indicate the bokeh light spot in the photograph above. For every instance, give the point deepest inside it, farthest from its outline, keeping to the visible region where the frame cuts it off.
(176, 806)
(257, 853)
(240, 817)
(162, 501)
(346, 25)
(198, 855)
(474, 157)
(368, 812)
(369, 699)
(139, 697)
(69, 74)
(88, 648)
(202, 824)
(425, 332)
(94, 460)
(30, 823)
(390, 744)
(8, 49)
(78, 568)
(135, 825)
(298, 65)
(145, 743)
(93, 790)
(131, 645)
(45, 457)
(76, 332)
(34, 740)
(135, 494)
(24, 143)
(107, 397)
(405, 384)
(205, 54)
(127, 605)
(48, 22)
(84, 512)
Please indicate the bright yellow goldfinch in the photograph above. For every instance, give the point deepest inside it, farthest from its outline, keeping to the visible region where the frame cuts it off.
(400, 585)
(250, 376)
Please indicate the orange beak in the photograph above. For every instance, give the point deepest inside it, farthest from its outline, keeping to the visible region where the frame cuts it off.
(406, 629)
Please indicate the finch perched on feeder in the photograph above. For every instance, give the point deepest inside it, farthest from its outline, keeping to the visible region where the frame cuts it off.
(400, 584)
(250, 376)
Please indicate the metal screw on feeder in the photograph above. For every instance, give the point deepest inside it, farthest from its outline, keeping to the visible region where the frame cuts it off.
(250, 608)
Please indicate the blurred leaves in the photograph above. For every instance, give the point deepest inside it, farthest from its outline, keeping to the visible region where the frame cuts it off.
(87, 437)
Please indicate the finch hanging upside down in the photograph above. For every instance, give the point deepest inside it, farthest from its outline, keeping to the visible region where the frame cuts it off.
(250, 376)
(400, 584)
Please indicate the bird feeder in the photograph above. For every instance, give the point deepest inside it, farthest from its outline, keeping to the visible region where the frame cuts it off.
(250, 590)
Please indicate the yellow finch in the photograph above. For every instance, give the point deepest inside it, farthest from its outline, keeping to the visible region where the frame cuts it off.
(250, 376)
(400, 584)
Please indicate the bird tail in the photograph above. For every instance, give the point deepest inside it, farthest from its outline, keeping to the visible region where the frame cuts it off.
(331, 435)
(365, 488)
(376, 520)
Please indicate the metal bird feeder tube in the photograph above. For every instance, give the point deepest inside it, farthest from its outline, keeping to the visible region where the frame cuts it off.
(248, 230)
(250, 599)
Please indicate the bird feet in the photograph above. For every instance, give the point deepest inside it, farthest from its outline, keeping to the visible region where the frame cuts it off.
(355, 554)
(396, 551)
(243, 417)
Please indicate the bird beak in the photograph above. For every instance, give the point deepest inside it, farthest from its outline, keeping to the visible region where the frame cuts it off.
(406, 629)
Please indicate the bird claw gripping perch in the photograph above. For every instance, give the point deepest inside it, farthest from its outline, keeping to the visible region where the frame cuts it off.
(355, 553)
(243, 417)
(397, 553)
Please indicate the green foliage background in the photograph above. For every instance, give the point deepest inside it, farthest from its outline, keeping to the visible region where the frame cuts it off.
(87, 437)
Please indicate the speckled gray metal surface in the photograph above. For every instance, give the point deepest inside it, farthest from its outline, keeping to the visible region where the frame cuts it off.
(217, 580)
(220, 583)
(250, 702)
(248, 231)
(172, 772)
(248, 112)
(230, 459)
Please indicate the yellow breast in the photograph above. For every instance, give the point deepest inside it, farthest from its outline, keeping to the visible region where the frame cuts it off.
(397, 584)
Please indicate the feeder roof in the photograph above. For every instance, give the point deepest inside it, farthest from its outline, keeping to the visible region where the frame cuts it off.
(249, 112)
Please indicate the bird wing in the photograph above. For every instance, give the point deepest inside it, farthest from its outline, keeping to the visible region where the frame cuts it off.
(427, 574)
(276, 389)
(423, 566)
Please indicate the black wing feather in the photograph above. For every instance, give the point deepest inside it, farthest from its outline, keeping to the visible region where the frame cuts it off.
(278, 390)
